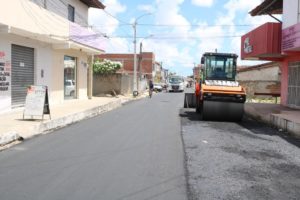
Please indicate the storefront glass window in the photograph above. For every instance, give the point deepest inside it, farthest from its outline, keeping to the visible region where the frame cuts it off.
(69, 77)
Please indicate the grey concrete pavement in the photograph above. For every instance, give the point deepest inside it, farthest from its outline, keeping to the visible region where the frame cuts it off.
(283, 118)
(133, 152)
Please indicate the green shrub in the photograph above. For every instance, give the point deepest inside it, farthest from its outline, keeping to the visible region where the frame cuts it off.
(106, 67)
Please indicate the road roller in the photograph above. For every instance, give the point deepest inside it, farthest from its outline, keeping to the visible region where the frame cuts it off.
(218, 96)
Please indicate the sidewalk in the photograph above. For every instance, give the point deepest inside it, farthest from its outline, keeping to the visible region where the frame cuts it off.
(14, 128)
(276, 115)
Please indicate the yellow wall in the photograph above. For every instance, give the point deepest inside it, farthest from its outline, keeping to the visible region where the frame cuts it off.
(57, 93)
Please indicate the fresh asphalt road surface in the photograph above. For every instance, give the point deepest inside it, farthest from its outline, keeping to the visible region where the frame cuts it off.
(134, 152)
(233, 161)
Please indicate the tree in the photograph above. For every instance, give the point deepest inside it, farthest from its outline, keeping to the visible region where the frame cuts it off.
(106, 66)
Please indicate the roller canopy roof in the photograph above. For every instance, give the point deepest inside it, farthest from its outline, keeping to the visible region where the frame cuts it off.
(93, 3)
(268, 7)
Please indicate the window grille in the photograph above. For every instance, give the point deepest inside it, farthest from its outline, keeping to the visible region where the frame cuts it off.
(294, 85)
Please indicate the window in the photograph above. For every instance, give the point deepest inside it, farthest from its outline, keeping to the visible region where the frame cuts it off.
(220, 68)
(294, 85)
(71, 13)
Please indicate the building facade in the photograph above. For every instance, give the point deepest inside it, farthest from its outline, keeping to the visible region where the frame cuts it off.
(197, 73)
(278, 42)
(46, 43)
(145, 63)
(260, 80)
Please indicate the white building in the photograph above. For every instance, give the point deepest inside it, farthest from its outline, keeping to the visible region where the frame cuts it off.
(45, 42)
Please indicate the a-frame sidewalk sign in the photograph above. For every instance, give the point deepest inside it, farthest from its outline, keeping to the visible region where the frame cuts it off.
(37, 102)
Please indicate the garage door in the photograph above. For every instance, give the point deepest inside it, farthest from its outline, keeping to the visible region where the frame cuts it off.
(22, 73)
(294, 85)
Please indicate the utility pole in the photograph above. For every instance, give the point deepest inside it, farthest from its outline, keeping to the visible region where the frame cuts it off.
(135, 90)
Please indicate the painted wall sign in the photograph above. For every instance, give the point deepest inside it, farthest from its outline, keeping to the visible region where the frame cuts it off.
(291, 37)
(261, 42)
(5, 75)
(2, 54)
(5, 81)
(247, 47)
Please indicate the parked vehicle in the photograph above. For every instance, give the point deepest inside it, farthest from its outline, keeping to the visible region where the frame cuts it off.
(157, 87)
(69, 87)
(175, 84)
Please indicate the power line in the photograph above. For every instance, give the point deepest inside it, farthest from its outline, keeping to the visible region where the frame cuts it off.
(184, 25)
(109, 14)
(180, 37)
(199, 25)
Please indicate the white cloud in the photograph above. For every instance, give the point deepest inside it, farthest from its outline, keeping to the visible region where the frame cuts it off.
(204, 3)
(234, 10)
(179, 54)
(241, 5)
(105, 23)
(210, 38)
(146, 8)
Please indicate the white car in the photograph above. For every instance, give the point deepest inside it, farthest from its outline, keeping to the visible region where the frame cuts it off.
(175, 84)
(157, 87)
(69, 87)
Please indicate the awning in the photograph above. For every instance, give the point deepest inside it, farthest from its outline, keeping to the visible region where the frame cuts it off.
(268, 7)
(58, 42)
(93, 3)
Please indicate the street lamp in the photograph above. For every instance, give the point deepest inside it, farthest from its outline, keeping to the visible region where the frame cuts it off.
(135, 90)
(141, 42)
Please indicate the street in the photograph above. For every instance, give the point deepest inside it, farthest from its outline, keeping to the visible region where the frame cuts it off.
(153, 149)
(134, 152)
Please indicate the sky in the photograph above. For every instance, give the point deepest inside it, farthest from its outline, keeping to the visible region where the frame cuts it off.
(177, 31)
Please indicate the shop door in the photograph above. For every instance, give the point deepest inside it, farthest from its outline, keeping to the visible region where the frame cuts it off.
(22, 73)
(70, 77)
(294, 85)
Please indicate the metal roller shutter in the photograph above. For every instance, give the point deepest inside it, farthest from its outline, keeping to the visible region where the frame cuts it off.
(22, 73)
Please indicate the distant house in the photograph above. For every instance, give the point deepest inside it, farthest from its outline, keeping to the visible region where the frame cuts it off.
(145, 63)
(45, 43)
(197, 72)
(123, 83)
(263, 79)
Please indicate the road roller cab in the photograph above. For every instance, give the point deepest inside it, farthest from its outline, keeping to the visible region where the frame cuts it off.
(218, 96)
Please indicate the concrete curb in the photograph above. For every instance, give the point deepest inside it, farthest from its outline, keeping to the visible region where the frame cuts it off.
(286, 125)
(9, 137)
(49, 126)
(275, 120)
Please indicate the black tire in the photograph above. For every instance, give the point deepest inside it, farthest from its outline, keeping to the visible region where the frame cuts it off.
(201, 117)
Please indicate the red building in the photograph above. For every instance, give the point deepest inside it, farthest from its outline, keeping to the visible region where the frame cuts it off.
(145, 62)
(278, 42)
(196, 72)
